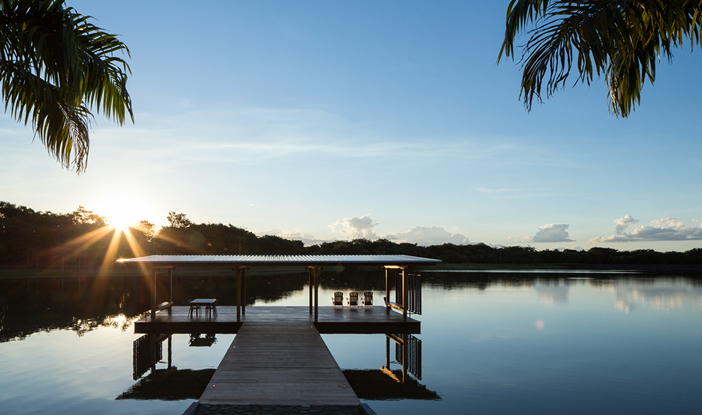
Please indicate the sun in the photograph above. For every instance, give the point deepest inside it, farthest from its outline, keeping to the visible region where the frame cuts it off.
(122, 211)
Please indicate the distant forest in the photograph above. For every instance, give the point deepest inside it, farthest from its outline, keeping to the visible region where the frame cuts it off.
(82, 239)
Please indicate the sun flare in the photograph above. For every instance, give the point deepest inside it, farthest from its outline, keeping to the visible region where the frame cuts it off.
(123, 211)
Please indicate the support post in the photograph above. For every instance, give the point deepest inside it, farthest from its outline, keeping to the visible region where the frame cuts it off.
(404, 292)
(310, 273)
(170, 300)
(387, 290)
(317, 271)
(243, 291)
(154, 270)
(238, 294)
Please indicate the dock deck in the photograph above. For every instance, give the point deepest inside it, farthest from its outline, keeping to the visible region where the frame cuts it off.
(278, 363)
(330, 320)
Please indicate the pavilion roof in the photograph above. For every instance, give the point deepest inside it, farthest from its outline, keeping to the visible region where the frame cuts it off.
(270, 260)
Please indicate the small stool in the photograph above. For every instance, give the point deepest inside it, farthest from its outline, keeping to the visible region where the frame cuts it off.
(196, 305)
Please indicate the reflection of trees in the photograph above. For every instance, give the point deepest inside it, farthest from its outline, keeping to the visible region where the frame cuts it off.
(78, 304)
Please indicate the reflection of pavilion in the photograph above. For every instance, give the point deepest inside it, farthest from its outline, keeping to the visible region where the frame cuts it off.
(386, 383)
(169, 383)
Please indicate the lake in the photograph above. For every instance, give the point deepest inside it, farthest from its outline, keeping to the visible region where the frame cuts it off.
(536, 342)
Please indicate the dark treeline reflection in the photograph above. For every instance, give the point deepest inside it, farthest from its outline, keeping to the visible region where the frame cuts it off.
(81, 240)
(481, 281)
(81, 304)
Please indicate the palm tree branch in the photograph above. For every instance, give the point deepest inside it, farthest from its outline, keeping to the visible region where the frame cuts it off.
(62, 127)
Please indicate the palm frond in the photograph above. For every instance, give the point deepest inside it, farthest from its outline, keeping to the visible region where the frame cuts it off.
(54, 66)
(620, 39)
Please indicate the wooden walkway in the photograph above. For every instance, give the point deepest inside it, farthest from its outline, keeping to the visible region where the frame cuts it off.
(331, 320)
(274, 362)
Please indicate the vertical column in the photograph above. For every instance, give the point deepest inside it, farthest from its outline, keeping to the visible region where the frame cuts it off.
(317, 271)
(404, 292)
(243, 291)
(170, 308)
(310, 273)
(154, 271)
(238, 294)
(387, 290)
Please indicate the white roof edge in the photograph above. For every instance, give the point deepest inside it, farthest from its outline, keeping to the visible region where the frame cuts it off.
(281, 259)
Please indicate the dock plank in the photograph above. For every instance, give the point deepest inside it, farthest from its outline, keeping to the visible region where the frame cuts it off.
(330, 320)
(278, 363)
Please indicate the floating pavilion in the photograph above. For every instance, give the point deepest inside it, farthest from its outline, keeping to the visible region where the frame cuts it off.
(278, 356)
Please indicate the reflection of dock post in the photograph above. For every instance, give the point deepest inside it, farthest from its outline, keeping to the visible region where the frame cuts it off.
(170, 351)
(405, 353)
(387, 351)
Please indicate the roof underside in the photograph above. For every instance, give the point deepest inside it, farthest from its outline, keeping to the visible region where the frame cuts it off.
(268, 260)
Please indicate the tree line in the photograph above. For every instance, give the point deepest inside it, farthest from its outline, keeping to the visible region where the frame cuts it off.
(84, 239)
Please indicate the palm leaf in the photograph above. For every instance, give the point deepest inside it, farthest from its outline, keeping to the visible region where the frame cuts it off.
(55, 65)
(619, 39)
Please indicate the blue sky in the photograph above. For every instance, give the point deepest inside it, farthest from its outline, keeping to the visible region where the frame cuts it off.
(332, 120)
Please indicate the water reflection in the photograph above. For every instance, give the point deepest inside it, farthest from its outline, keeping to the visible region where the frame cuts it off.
(555, 292)
(661, 295)
(168, 383)
(542, 344)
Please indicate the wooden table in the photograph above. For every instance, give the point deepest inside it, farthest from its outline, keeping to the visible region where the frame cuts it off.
(196, 305)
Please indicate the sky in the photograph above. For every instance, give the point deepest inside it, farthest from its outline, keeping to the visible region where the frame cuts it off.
(327, 120)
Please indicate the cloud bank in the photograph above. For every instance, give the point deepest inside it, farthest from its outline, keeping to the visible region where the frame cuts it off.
(424, 235)
(666, 229)
(363, 227)
(623, 223)
(356, 227)
(554, 232)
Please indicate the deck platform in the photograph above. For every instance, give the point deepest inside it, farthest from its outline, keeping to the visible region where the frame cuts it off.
(331, 320)
(278, 363)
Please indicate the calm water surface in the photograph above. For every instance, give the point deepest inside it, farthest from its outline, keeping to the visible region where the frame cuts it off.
(547, 344)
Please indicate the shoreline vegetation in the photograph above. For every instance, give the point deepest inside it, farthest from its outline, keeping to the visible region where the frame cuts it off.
(478, 271)
(83, 243)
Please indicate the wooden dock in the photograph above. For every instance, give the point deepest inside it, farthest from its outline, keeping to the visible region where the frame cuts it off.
(330, 320)
(278, 363)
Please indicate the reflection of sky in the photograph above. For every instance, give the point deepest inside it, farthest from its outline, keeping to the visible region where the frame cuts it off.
(552, 294)
(657, 294)
(61, 372)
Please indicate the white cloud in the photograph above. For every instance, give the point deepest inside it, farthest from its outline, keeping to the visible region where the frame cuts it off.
(356, 227)
(666, 229)
(424, 235)
(623, 223)
(554, 232)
